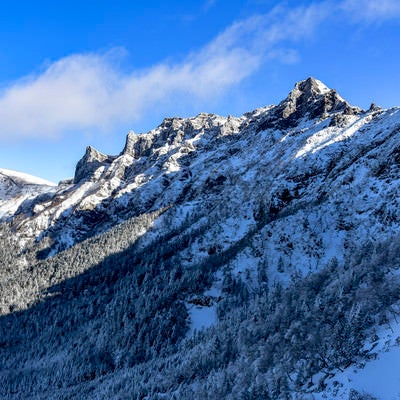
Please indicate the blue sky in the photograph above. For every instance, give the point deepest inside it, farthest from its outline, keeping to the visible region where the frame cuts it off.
(74, 73)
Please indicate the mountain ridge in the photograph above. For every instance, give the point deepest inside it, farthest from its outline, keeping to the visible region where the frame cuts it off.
(259, 224)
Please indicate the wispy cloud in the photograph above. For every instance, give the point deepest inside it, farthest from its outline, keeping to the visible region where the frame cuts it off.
(209, 4)
(372, 10)
(90, 91)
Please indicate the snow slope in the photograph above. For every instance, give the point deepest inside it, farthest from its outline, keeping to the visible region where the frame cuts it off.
(378, 377)
(17, 187)
(25, 178)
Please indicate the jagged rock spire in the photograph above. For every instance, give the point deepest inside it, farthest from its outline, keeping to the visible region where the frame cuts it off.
(304, 93)
(89, 163)
(137, 145)
(310, 99)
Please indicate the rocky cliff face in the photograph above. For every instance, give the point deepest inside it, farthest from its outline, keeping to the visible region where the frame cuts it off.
(90, 163)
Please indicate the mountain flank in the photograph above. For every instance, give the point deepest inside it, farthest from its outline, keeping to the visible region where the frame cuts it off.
(250, 257)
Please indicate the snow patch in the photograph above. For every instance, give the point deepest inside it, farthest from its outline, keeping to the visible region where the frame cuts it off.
(379, 377)
(201, 317)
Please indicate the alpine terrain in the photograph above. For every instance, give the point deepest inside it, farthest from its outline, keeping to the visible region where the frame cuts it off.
(251, 257)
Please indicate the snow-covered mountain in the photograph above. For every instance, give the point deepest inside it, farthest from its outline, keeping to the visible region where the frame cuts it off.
(276, 195)
(313, 171)
(17, 187)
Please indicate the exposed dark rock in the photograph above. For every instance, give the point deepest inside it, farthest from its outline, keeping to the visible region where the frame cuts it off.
(309, 98)
(89, 163)
(138, 145)
(374, 107)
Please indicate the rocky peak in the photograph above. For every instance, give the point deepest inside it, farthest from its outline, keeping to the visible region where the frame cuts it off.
(138, 145)
(89, 163)
(304, 93)
(312, 86)
(172, 131)
(311, 99)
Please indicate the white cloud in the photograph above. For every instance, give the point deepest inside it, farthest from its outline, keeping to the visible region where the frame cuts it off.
(372, 10)
(90, 91)
(83, 92)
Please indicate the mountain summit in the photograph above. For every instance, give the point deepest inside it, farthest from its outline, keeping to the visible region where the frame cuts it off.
(310, 99)
(214, 257)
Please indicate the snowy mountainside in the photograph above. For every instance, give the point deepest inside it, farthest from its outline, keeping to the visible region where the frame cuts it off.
(309, 174)
(17, 187)
(224, 222)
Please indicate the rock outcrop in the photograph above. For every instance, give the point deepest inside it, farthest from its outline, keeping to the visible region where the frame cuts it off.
(89, 163)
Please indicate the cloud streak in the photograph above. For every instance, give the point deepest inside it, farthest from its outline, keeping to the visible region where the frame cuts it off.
(372, 10)
(85, 92)
(89, 91)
